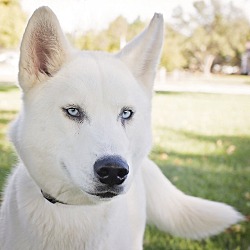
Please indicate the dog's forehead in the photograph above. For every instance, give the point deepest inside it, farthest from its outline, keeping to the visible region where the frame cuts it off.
(98, 74)
(103, 68)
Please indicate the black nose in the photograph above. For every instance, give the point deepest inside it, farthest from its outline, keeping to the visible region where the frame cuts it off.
(111, 170)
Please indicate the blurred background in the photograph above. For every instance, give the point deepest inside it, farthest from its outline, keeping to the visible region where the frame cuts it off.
(201, 36)
(201, 109)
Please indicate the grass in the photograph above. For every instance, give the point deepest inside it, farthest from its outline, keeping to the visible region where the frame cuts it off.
(8, 111)
(201, 143)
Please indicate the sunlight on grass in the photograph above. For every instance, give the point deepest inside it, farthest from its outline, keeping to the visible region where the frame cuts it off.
(9, 97)
(202, 144)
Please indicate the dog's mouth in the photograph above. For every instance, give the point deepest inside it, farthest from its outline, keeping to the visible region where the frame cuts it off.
(105, 195)
(105, 192)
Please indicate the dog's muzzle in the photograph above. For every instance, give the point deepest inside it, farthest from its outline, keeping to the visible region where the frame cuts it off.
(111, 170)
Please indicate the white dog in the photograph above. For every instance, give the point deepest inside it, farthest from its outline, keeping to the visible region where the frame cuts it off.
(84, 180)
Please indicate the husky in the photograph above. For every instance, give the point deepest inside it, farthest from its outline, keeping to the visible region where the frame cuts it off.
(84, 179)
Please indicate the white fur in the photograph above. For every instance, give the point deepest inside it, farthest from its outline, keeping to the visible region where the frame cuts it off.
(57, 154)
(180, 214)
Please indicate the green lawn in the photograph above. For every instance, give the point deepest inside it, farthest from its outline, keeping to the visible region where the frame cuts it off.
(201, 142)
(8, 109)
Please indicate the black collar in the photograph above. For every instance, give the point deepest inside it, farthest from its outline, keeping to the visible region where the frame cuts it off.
(51, 199)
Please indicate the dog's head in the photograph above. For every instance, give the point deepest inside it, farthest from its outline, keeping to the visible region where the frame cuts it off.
(84, 128)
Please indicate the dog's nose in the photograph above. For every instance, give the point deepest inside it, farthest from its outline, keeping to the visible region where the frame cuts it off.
(111, 170)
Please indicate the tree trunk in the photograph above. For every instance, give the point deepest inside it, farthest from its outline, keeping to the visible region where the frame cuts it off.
(208, 62)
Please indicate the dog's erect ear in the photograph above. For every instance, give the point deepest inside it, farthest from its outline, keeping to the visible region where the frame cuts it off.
(43, 49)
(142, 54)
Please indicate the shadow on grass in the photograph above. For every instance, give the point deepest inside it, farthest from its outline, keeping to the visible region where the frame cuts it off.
(6, 116)
(163, 92)
(240, 144)
(7, 155)
(233, 151)
(7, 87)
(223, 175)
(230, 240)
(229, 164)
(7, 161)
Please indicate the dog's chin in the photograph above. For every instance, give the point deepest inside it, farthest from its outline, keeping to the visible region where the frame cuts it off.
(80, 196)
(105, 195)
(90, 198)
(85, 199)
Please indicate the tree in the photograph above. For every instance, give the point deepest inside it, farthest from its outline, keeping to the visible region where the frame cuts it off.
(172, 52)
(108, 40)
(135, 28)
(12, 21)
(214, 32)
(117, 31)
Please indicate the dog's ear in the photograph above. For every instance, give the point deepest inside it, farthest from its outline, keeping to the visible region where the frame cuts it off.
(142, 54)
(43, 49)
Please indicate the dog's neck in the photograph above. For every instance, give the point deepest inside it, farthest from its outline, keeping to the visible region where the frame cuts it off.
(51, 199)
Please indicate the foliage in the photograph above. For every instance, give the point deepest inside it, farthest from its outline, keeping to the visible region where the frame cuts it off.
(107, 40)
(201, 143)
(12, 20)
(119, 31)
(135, 28)
(172, 52)
(216, 31)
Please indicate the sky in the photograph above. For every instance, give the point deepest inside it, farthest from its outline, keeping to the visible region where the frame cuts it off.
(75, 15)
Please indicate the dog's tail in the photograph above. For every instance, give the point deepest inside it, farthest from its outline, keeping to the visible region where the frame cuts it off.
(172, 211)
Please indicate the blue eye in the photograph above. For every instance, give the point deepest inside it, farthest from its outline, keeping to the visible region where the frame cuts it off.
(73, 112)
(126, 114)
